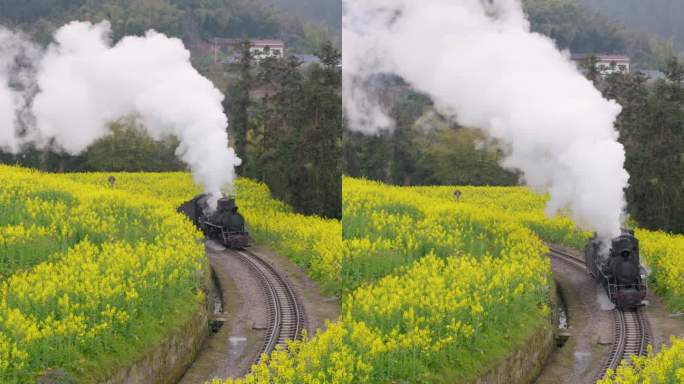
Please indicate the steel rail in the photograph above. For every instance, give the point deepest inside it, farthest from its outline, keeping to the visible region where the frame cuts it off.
(286, 314)
(633, 334)
(567, 257)
(631, 329)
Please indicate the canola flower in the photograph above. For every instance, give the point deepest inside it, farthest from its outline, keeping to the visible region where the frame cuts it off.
(666, 367)
(431, 289)
(437, 315)
(88, 274)
(661, 252)
(311, 242)
(94, 275)
(392, 235)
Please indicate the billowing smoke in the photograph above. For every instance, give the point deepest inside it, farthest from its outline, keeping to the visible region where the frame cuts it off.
(481, 65)
(7, 108)
(84, 83)
(16, 86)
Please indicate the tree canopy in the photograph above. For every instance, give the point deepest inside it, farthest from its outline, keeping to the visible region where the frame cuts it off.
(192, 20)
(582, 30)
(660, 17)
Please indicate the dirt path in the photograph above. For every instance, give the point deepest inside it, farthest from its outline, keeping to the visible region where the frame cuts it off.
(589, 327)
(231, 351)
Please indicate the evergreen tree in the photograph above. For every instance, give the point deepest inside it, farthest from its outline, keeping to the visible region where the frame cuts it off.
(324, 132)
(294, 138)
(590, 67)
(237, 103)
(281, 156)
(652, 130)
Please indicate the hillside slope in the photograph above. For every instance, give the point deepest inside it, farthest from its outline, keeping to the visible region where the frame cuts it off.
(660, 17)
(327, 12)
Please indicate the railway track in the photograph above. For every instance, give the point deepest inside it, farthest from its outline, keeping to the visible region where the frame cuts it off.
(567, 257)
(631, 329)
(286, 314)
(631, 339)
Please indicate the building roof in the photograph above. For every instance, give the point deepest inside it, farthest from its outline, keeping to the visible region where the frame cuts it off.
(267, 43)
(601, 57)
(255, 42)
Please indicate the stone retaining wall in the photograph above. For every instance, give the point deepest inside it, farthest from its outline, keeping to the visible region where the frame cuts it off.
(167, 363)
(526, 362)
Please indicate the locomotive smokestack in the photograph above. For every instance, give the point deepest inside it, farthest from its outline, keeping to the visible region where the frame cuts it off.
(481, 65)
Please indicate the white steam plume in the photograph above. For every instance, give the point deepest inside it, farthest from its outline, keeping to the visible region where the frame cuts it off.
(16, 54)
(8, 139)
(481, 65)
(85, 83)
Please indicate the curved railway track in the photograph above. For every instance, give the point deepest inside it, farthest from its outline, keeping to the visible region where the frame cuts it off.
(632, 339)
(286, 314)
(567, 257)
(631, 329)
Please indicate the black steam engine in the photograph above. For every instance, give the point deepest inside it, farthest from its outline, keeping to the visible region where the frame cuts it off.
(224, 223)
(618, 269)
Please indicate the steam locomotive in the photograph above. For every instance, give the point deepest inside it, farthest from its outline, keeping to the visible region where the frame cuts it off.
(619, 269)
(224, 223)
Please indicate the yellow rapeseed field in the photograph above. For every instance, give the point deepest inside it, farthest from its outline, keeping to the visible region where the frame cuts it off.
(432, 290)
(89, 275)
(667, 367)
(312, 242)
(94, 275)
(662, 253)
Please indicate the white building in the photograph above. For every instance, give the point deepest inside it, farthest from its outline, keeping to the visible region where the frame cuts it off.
(262, 49)
(606, 64)
(226, 50)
